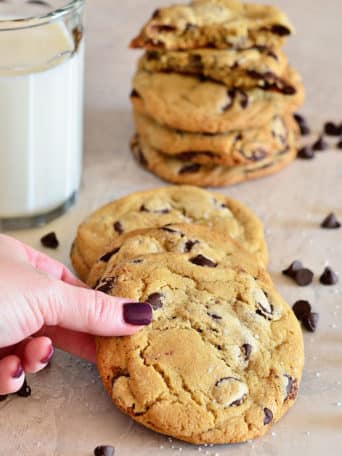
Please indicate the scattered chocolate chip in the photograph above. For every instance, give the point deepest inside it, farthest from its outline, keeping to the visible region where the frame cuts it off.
(303, 277)
(118, 227)
(301, 309)
(25, 390)
(107, 256)
(155, 299)
(332, 129)
(106, 285)
(268, 416)
(339, 144)
(302, 124)
(214, 316)
(306, 153)
(247, 348)
(280, 30)
(104, 450)
(3, 397)
(291, 388)
(294, 267)
(135, 94)
(320, 144)
(310, 321)
(188, 246)
(330, 222)
(192, 168)
(201, 260)
(50, 240)
(329, 277)
(189, 27)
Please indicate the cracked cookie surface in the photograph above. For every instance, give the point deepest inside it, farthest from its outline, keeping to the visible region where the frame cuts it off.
(228, 149)
(254, 67)
(189, 171)
(220, 363)
(191, 104)
(214, 23)
(158, 207)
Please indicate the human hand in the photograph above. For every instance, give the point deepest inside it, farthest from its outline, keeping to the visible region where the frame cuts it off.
(42, 305)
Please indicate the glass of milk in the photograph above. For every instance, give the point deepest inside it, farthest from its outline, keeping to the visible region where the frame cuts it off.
(41, 109)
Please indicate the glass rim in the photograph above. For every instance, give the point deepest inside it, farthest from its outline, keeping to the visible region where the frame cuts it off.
(35, 21)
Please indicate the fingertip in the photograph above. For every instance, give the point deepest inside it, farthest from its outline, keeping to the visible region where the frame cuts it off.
(37, 354)
(12, 375)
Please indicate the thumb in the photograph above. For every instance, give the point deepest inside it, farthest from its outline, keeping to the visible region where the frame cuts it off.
(94, 312)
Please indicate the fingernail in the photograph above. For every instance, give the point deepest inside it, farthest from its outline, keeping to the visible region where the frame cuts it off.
(137, 313)
(19, 372)
(49, 356)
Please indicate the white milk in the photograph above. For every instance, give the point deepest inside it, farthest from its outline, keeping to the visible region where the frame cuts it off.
(41, 119)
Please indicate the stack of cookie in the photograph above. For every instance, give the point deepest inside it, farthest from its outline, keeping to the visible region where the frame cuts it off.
(214, 95)
(222, 360)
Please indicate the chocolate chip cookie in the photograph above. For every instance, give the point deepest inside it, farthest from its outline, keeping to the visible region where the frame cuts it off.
(250, 68)
(190, 104)
(222, 360)
(159, 207)
(214, 24)
(189, 171)
(228, 149)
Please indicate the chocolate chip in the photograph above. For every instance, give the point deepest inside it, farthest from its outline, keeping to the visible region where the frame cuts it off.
(155, 299)
(104, 450)
(291, 388)
(310, 322)
(268, 416)
(50, 240)
(156, 211)
(330, 222)
(164, 28)
(135, 94)
(156, 14)
(301, 309)
(229, 104)
(320, 144)
(332, 129)
(247, 348)
(238, 402)
(214, 316)
(188, 246)
(152, 55)
(141, 157)
(3, 397)
(329, 277)
(294, 267)
(280, 30)
(192, 168)
(107, 256)
(106, 285)
(118, 227)
(302, 124)
(303, 277)
(339, 144)
(201, 260)
(25, 390)
(244, 100)
(306, 153)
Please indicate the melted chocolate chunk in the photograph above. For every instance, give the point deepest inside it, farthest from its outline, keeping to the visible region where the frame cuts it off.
(214, 316)
(106, 285)
(247, 349)
(332, 129)
(50, 241)
(118, 227)
(280, 30)
(188, 246)
(330, 222)
(164, 28)
(152, 55)
(310, 322)
(25, 390)
(229, 104)
(329, 277)
(192, 168)
(155, 299)
(301, 309)
(306, 153)
(238, 402)
(320, 144)
(291, 388)
(292, 269)
(168, 229)
(268, 416)
(135, 94)
(104, 450)
(201, 260)
(256, 155)
(107, 256)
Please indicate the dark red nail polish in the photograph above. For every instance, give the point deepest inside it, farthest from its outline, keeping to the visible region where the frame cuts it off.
(19, 372)
(137, 313)
(49, 356)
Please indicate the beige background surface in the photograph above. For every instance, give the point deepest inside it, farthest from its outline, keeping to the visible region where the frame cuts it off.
(69, 412)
